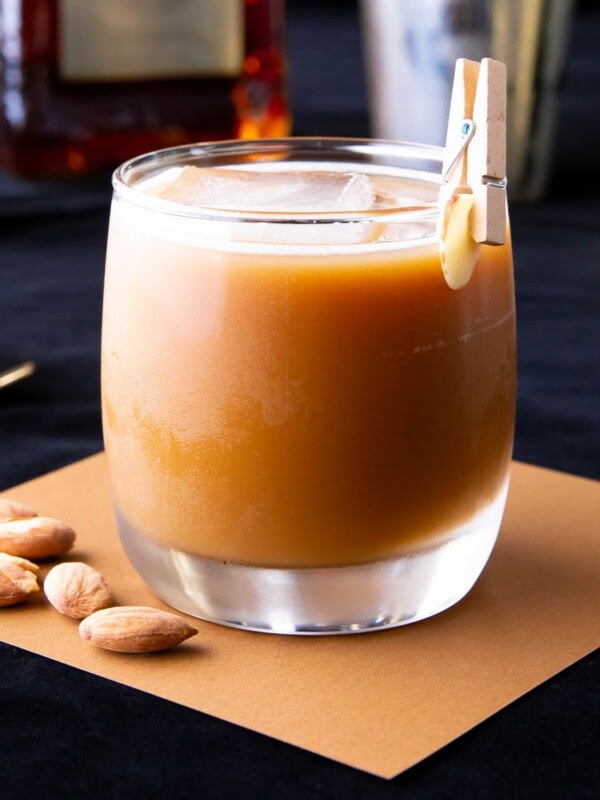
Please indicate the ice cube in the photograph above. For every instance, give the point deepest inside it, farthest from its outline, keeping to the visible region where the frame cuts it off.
(274, 191)
(391, 192)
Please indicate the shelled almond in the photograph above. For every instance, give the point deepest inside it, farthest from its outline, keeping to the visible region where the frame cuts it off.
(76, 589)
(459, 253)
(16, 561)
(36, 537)
(135, 629)
(16, 583)
(12, 509)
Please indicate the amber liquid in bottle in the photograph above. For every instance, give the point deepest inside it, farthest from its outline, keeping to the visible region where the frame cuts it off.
(61, 116)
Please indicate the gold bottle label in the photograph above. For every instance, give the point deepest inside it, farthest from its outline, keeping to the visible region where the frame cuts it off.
(130, 40)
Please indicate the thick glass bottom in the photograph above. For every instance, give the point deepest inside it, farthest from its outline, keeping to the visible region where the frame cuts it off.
(320, 600)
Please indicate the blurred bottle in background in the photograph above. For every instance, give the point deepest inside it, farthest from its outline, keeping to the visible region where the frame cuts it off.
(410, 48)
(86, 85)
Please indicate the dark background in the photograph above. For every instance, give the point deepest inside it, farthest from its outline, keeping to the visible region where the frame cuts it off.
(64, 733)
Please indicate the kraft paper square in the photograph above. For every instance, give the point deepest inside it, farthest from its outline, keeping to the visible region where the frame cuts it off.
(379, 702)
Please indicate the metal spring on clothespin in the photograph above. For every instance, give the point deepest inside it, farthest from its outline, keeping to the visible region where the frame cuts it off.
(467, 131)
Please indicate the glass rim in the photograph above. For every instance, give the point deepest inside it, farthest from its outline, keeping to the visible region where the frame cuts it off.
(245, 150)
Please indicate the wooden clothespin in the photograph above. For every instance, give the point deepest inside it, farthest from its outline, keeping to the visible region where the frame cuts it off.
(475, 159)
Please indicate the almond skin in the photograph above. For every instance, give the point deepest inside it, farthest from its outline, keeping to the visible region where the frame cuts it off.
(76, 589)
(135, 629)
(37, 537)
(12, 509)
(5, 558)
(16, 584)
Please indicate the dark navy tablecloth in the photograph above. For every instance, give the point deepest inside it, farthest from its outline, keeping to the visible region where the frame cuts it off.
(64, 733)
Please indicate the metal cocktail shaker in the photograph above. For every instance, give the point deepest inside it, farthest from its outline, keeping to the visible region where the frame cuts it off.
(410, 48)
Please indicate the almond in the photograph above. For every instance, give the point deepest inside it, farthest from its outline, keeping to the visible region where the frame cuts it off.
(16, 584)
(76, 589)
(5, 558)
(459, 253)
(37, 537)
(12, 509)
(135, 629)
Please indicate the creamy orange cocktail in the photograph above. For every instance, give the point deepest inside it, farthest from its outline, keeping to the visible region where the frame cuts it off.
(288, 399)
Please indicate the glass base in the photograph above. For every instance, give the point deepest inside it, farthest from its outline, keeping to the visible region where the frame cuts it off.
(320, 600)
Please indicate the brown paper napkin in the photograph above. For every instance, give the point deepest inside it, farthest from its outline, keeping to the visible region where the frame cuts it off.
(380, 702)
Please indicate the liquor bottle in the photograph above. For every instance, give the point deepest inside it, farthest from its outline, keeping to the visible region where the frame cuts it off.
(86, 85)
